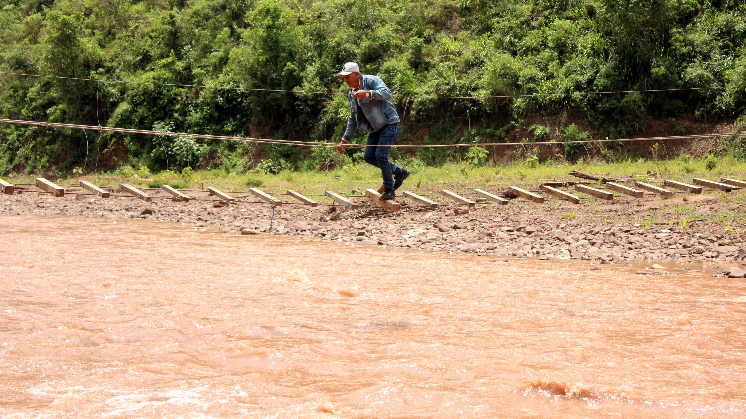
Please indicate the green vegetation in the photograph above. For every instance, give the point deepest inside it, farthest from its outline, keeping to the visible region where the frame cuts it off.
(426, 51)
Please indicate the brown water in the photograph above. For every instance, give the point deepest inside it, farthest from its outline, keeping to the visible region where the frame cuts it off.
(145, 319)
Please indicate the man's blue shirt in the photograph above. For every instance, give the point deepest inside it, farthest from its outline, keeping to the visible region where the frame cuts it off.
(378, 111)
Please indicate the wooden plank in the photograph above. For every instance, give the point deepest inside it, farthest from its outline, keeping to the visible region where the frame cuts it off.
(265, 196)
(339, 198)
(458, 198)
(484, 194)
(595, 192)
(381, 189)
(50, 187)
(682, 186)
(376, 197)
(625, 190)
(95, 189)
(8, 188)
(652, 188)
(560, 194)
(222, 195)
(302, 198)
(136, 192)
(526, 194)
(178, 196)
(713, 185)
(424, 201)
(733, 182)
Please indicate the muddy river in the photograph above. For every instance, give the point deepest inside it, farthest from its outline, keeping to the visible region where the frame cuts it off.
(146, 319)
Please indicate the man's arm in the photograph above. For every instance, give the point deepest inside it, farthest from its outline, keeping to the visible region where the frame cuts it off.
(349, 130)
(378, 89)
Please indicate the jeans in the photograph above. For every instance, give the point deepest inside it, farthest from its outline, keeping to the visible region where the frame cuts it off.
(378, 155)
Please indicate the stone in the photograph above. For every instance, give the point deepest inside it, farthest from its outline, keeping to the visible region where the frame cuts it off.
(736, 273)
(146, 211)
(249, 232)
(442, 227)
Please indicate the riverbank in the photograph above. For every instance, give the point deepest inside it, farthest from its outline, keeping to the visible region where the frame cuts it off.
(708, 227)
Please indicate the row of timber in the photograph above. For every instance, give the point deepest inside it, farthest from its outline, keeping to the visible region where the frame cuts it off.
(549, 188)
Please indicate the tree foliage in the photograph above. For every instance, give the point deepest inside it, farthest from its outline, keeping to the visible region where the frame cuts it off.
(426, 50)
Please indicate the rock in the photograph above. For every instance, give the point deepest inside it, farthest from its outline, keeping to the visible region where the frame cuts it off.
(442, 228)
(361, 233)
(656, 266)
(461, 211)
(727, 249)
(146, 211)
(736, 273)
(561, 235)
(459, 226)
(531, 230)
(249, 232)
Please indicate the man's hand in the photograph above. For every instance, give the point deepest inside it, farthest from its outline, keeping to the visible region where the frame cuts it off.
(361, 94)
(342, 145)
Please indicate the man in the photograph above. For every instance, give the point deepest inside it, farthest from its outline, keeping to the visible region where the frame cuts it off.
(371, 111)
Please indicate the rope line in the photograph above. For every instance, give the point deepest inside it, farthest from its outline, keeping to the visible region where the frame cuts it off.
(198, 86)
(101, 129)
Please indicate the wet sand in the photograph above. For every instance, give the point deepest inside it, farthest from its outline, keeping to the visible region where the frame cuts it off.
(139, 318)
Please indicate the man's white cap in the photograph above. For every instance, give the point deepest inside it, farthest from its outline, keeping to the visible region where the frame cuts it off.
(349, 68)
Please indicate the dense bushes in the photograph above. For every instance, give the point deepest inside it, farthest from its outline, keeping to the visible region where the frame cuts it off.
(426, 50)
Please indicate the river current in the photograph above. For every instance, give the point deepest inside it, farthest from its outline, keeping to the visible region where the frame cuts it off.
(136, 318)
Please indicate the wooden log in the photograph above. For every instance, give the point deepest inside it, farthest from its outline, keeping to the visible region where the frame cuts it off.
(713, 185)
(381, 189)
(136, 192)
(595, 192)
(50, 187)
(560, 194)
(8, 188)
(178, 196)
(265, 196)
(625, 190)
(526, 194)
(492, 197)
(222, 195)
(424, 201)
(95, 189)
(733, 182)
(682, 186)
(339, 198)
(302, 198)
(376, 197)
(594, 177)
(458, 198)
(652, 188)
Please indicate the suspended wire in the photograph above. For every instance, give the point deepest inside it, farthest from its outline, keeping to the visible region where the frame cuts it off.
(102, 129)
(344, 93)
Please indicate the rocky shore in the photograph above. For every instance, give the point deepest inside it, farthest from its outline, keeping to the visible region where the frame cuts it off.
(625, 229)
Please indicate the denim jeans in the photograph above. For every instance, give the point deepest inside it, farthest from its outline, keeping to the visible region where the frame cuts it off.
(378, 155)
